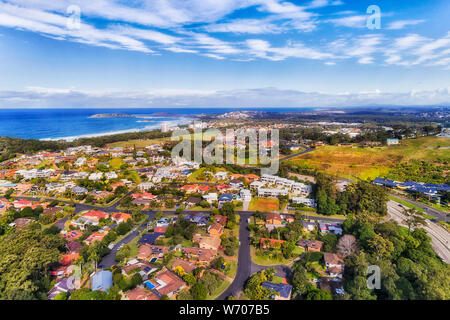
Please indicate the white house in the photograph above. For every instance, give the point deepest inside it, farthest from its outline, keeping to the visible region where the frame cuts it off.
(80, 162)
(111, 175)
(245, 195)
(271, 193)
(222, 175)
(306, 201)
(144, 186)
(96, 176)
(210, 197)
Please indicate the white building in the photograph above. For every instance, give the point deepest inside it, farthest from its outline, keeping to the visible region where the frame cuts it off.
(271, 193)
(306, 201)
(301, 188)
(256, 184)
(245, 195)
(222, 175)
(111, 175)
(81, 161)
(96, 176)
(144, 186)
(210, 197)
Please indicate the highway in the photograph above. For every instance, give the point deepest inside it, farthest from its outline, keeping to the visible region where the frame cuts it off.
(440, 238)
(440, 215)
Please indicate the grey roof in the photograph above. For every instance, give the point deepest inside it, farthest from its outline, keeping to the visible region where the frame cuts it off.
(283, 289)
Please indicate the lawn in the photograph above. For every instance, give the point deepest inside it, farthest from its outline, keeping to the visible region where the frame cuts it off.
(368, 163)
(266, 261)
(194, 177)
(223, 286)
(333, 216)
(231, 271)
(138, 143)
(116, 163)
(266, 205)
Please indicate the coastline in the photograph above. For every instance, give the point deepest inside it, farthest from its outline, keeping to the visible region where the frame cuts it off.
(110, 133)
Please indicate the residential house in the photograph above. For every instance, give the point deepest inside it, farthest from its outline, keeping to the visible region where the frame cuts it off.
(102, 280)
(226, 197)
(310, 245)
(96, 236)
(305, 201)
(192, 201)
(269, 243)
(95, 176)
(64, 285)
(199, 218)
(272, 193)
(332, 285)
(283, 290)
(150, 238)
(95, 216)
(273, 218)
(334, 264)
(168, 283)
(325, 227)
(236, 184)
(120, 217)
(140, 293)
(221, 219)
(245, 195)
(210, 197)
(216, 229)
(222, 175)
(186, 265)
(200, 256)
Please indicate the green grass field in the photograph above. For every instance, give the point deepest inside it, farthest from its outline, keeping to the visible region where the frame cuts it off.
(138, 143)
(368, 163)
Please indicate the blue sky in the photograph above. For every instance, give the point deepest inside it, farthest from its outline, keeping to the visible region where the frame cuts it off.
(223, 53)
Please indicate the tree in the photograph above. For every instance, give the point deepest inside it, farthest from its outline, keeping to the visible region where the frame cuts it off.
(198, 291)
(414, 218)
(347, 245)
(319, 294)
(253, 289)
(61, 296)
(380, 246)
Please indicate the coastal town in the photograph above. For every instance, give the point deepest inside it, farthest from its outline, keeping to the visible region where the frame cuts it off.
(131, 222)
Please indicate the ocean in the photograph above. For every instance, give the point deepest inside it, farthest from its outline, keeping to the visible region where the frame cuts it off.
(70, 124)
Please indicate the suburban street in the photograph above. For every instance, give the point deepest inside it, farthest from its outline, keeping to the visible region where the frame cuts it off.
(440, 238)
(244, 261)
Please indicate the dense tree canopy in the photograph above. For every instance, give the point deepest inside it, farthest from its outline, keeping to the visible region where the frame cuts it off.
(25, 258)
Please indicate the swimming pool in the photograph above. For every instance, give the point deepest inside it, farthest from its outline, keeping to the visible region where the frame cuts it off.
(150, 284)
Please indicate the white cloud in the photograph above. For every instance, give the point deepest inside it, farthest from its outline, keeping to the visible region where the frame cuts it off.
(252, 26)
(400, 24)
(357, 21)
(261, 97)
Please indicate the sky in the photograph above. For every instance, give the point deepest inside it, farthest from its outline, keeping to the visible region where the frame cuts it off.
(223, 53)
